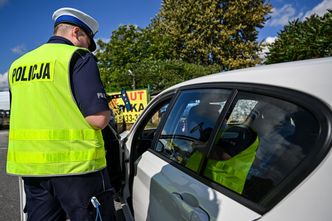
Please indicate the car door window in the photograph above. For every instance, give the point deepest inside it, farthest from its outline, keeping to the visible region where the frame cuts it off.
(190, 124)
(145, 135)
(262, 142)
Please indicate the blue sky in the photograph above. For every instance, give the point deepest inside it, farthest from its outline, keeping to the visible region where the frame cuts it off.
(26, 24)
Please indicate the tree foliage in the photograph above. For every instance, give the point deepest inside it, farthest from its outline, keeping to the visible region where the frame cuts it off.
(125, 47)
(147, 57)
(222, 32)
(186, 39)
(162, 74)
(299, 40)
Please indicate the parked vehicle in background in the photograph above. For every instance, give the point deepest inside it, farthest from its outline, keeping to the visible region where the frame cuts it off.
(1, 119)
(250, 144)
(4, 119)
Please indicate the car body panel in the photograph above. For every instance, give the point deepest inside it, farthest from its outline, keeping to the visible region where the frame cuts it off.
(163, 183)
(300, 76)
(309, 200)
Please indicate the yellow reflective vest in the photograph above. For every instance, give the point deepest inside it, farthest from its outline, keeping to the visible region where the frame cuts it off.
(48, 134)
(231, 173)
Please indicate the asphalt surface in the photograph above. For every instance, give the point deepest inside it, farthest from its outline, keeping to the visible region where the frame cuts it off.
(9, 190)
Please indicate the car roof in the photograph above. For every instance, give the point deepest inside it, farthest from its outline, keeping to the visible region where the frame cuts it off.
(312, 76)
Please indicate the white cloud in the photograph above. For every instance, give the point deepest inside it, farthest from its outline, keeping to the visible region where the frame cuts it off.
(264, 48)
(3, 2)
(270, 40)
(319, 9)
(19, 49)
(4, 82)
(281, 16)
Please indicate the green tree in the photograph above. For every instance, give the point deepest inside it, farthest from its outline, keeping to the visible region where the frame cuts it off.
(299, 40)
(222, 32)
(146, 54)
(124, 48)
(187, 38)
(163, 74)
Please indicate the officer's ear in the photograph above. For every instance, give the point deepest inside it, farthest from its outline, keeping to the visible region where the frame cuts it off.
(76, 32)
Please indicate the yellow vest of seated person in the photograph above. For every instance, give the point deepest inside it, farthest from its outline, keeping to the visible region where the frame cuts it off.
(48, 134)
(231, 173)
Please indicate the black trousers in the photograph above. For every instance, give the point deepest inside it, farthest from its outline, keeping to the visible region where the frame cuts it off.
(63, 197)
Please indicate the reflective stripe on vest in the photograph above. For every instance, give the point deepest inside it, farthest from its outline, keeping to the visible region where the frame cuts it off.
(231, 173)
(48, 134)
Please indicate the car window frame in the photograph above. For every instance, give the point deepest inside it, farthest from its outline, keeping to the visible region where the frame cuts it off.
(323, 144)
(139, 127)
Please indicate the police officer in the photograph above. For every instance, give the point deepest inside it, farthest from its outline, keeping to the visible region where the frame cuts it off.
(58, 109)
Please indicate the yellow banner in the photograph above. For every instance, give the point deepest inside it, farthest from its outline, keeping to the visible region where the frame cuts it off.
(138, 100)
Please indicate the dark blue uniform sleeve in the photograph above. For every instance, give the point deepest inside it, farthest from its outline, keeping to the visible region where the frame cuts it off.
(86, 84)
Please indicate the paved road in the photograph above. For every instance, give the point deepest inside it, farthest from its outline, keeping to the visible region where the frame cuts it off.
(9, 191)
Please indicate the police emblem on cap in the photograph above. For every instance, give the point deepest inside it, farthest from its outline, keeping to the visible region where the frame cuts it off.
(78, 18)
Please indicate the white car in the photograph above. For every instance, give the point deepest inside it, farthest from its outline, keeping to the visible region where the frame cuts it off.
(250, 144)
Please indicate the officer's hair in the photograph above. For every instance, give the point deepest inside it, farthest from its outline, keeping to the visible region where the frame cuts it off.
(62, 28)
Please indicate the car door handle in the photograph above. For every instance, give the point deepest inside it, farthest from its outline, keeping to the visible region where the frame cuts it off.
(189, 207)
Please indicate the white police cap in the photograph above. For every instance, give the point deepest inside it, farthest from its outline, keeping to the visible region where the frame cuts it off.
(78, 18)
